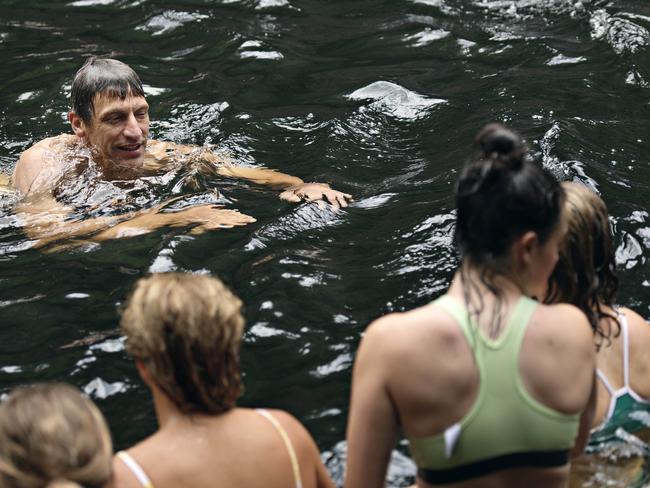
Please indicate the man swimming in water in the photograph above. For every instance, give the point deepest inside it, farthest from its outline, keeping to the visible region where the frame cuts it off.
(110, 121)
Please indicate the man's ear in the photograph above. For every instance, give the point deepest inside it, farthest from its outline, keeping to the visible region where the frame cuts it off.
(524, 247)
(78, 125)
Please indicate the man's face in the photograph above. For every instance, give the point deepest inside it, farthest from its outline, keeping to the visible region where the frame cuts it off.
(118, 130)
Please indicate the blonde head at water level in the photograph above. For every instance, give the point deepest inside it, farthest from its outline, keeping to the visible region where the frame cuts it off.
(52, 436)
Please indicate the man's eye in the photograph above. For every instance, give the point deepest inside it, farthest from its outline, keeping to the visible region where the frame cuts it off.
(141, 114)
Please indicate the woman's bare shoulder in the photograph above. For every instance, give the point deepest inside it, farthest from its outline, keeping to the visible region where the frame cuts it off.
(566, 320)
(639, 333)
(636, 321)
(561, 332)
(399, 330)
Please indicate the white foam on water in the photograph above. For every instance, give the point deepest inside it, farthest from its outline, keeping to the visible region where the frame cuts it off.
(427, 36)
(30, 95)
(11, 369)
(262, 4)
(89, 3)
(77, 296)
(154, 91)
(110, 345)
(169, 21)
(440, 4)
(257, 50)
(524, 9)
(341, 363)
(374, 201)
(562, 59)
(249, 44)
(628, 252)
(635, 78)
(621, 34)
(98, 388)
(393, 99)
(269, 55)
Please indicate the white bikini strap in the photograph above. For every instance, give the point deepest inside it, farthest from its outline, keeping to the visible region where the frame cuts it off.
(626, 349)
(135, 468)
(606, 384)
(287, 442)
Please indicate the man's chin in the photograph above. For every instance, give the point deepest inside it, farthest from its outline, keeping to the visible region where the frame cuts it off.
(130, 160)
(123, 167)
(134, 163)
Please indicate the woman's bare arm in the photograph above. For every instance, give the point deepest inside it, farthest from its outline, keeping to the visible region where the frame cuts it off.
(372, 422)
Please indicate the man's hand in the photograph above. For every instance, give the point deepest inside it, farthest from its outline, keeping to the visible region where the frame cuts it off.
(208, 217)
(313, 192)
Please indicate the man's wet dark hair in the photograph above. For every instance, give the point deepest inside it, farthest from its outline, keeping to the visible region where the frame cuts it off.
(500, 196)
(102, 75)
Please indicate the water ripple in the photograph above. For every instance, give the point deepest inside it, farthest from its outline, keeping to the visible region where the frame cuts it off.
(621, 34)
(252, 49)
(393, 99)
(100, 389)
(170, 20)
(426, 37)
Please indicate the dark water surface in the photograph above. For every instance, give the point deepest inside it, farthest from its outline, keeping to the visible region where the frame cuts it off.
(379, 98)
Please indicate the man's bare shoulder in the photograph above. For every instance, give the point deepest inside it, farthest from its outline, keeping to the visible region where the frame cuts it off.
(33, 160)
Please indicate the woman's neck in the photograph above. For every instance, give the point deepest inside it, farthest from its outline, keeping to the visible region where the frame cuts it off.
(167, 413)
(169, 416)
(468, 284)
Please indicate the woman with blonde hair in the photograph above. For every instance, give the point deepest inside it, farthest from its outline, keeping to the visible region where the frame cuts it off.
(184, 332)
(487, 384)
(51, 436)
(585, 276)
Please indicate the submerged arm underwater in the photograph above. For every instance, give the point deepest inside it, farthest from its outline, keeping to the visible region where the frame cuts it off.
(47, 221)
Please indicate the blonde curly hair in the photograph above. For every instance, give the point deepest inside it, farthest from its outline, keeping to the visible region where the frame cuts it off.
(187, 330)
(52, 436)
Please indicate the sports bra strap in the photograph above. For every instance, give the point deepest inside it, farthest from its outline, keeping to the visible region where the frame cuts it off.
(459, 314)
(135, 468)
(287, 442)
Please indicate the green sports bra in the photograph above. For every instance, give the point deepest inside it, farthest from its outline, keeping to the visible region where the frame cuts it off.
(506, 427)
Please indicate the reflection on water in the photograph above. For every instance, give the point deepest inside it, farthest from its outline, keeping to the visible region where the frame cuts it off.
(381, 100)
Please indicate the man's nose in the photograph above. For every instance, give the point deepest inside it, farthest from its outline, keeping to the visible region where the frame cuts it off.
(132, 129)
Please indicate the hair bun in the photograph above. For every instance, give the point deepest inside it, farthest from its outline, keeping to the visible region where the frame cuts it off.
(501, 146)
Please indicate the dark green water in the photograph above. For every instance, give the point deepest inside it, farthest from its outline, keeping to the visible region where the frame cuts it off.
(381, 99)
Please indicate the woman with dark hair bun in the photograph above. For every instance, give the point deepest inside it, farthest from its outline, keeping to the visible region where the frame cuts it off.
(487, 384)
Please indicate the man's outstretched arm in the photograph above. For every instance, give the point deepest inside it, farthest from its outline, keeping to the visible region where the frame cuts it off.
(294, 189)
